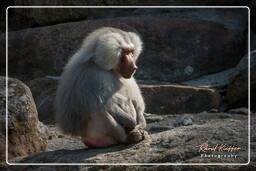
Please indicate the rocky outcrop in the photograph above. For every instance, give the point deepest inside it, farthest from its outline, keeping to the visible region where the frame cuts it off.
(226, 77)
(177, 145)
(49, 16)
(237, 90)
(26, 135)
(164, 99)
(31, 17)
(177, 46)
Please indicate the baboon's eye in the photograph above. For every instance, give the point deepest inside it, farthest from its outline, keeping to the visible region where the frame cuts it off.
(127, 51)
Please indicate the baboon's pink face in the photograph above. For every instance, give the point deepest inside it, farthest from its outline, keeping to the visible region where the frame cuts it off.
(127, 66)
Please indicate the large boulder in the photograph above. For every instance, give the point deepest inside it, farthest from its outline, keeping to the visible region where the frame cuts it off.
(177, 46)
(21, 18)
(26, 135)
(40, 85)
(164, 99)
(48, 16)
(216, 80)
(34, 17)
(224, 78)
(237, 90)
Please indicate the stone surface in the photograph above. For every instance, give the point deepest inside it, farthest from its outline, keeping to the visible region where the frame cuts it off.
(215, 80)
(186, 50)
(178, 145)
(184, 120)
(58, 140)
(18, 20)
(252, 6)
(21, 18)
(26, 135)
(151, 119)
(40, 85)
(43, 90)
(237, 90)
(241, 110)
(164, 99)
(36, 17)
(253, 40)
(2, 118)
(224, 78)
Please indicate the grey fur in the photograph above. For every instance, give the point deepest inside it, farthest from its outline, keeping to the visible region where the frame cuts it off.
(88, 88)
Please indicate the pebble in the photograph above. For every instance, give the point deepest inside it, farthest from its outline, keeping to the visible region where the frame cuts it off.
(183, 120)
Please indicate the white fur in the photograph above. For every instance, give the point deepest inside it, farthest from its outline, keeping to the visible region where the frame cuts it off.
(137, 44)
(105, 47)
(108, 51)
(87, 89)
(109, 47)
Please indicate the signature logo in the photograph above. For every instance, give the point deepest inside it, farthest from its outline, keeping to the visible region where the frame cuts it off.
(218, 151)
(218, 147)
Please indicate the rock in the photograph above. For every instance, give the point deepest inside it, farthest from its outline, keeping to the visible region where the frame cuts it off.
(235, 78)
(184, 120)
(50, 16)
(26, 135)
(252, 6)
(26, 17)
(45, 107)
(241, 110)
(130, 3)
(223, 78)
(44, 91)
(170, 120)
(18, 20)
(221, 16)
(51, 46)
(153, 119)
(253, 40)
(237, 90)
(178, 145)
(40, 85)
(243, 63)
(58, 140)
(165, 99)
(186, 49)
(216, 80)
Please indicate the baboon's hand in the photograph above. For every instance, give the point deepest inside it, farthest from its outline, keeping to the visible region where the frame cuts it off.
(136, 135)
